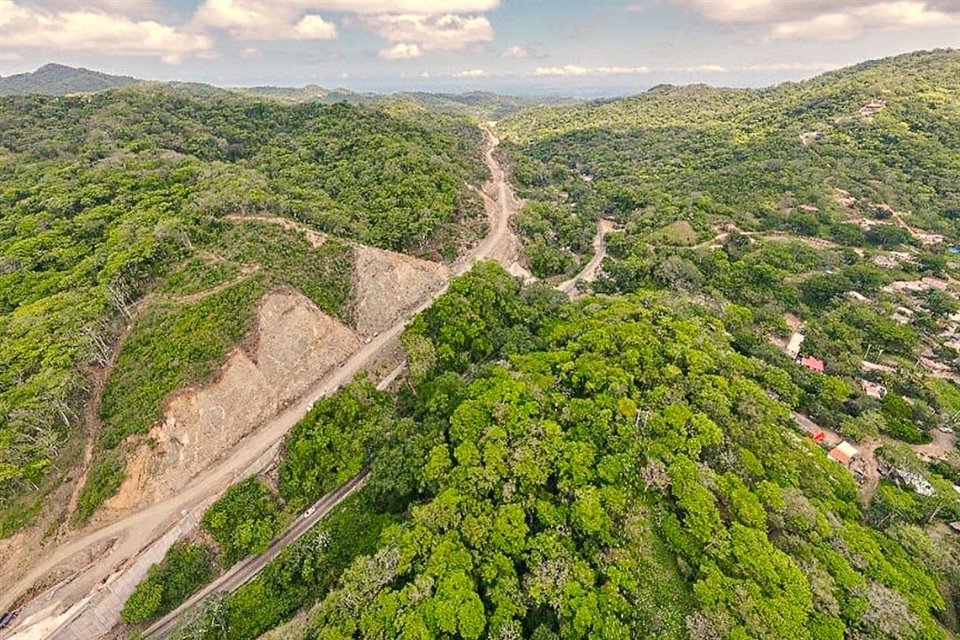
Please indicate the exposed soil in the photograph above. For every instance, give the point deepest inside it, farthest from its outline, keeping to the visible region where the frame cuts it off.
(388, 285)
(297, 345)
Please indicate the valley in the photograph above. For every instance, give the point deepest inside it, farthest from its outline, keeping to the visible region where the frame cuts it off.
(291, 364)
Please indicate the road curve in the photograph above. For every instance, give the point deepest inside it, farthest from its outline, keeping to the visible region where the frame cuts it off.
(590, 270)
(137, 531)
(243, 571)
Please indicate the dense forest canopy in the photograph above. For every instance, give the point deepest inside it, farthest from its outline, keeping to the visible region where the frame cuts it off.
(613, 468)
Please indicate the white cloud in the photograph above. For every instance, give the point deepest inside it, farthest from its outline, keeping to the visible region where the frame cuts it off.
(429, 32)
(313, 27)
(792, 66)
(96, 31)
(636, 7)
(400, 51)
(828, 19)
(391, 6)
(702, 68)
(251, 53)
(470, 73)
(515, 51)
(575, 70)
(257, 20)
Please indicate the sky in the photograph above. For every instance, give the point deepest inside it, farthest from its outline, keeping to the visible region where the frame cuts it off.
(570, 47)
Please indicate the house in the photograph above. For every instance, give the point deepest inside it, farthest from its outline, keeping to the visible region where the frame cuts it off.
(844, 453)
(808, 426)
(793, 347)
(812, 363)
(873, 389)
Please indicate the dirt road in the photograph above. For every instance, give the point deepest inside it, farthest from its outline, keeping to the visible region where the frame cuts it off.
(137, 531)
(590, 270)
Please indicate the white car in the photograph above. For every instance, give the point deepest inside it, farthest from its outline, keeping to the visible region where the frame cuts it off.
(946, 430)
(309, 512)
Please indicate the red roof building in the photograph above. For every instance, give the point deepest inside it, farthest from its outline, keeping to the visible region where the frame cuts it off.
(814, 364)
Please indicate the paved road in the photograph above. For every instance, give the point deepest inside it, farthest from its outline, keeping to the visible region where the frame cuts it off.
(242, 572)
(101, 586)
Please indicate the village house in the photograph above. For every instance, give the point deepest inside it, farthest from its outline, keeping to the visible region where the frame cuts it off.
(809, 427)
(793, 347)
(812, 363)
(844, 453)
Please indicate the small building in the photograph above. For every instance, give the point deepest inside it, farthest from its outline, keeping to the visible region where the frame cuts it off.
(793, 347)
(844, 453)
(809, 427)
(812, 363)
(873, 389)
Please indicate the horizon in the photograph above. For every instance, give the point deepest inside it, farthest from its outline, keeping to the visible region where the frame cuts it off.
(569, 48)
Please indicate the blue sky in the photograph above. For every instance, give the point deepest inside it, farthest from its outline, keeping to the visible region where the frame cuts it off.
(577, 47)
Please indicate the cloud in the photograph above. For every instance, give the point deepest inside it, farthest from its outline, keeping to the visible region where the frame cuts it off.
(391, 6)
(702, 68)
(430, 32)
(95, 31)
(251, 53)
(470, 73)
(400, 51)
(792, 66)
(636, 7)
(258, 20)
(515, 51)
(575, 70)
(828, 19)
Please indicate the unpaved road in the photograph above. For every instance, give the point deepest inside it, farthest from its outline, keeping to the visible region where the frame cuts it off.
(590, 270)
(139, 529)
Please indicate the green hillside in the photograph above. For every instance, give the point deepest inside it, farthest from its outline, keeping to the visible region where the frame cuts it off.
(61, 80)
(108, 196)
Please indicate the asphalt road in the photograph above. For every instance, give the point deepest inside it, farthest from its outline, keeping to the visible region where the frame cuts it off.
(243, 571)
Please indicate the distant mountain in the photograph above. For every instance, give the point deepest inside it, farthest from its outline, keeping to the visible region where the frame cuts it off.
(60, 80)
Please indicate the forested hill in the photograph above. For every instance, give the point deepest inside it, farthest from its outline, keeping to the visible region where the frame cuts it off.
(887, 132)
(106, 197)
(60, 80)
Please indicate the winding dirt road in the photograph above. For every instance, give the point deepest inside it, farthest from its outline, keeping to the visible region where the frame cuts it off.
(592, 268)
(91, 599)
